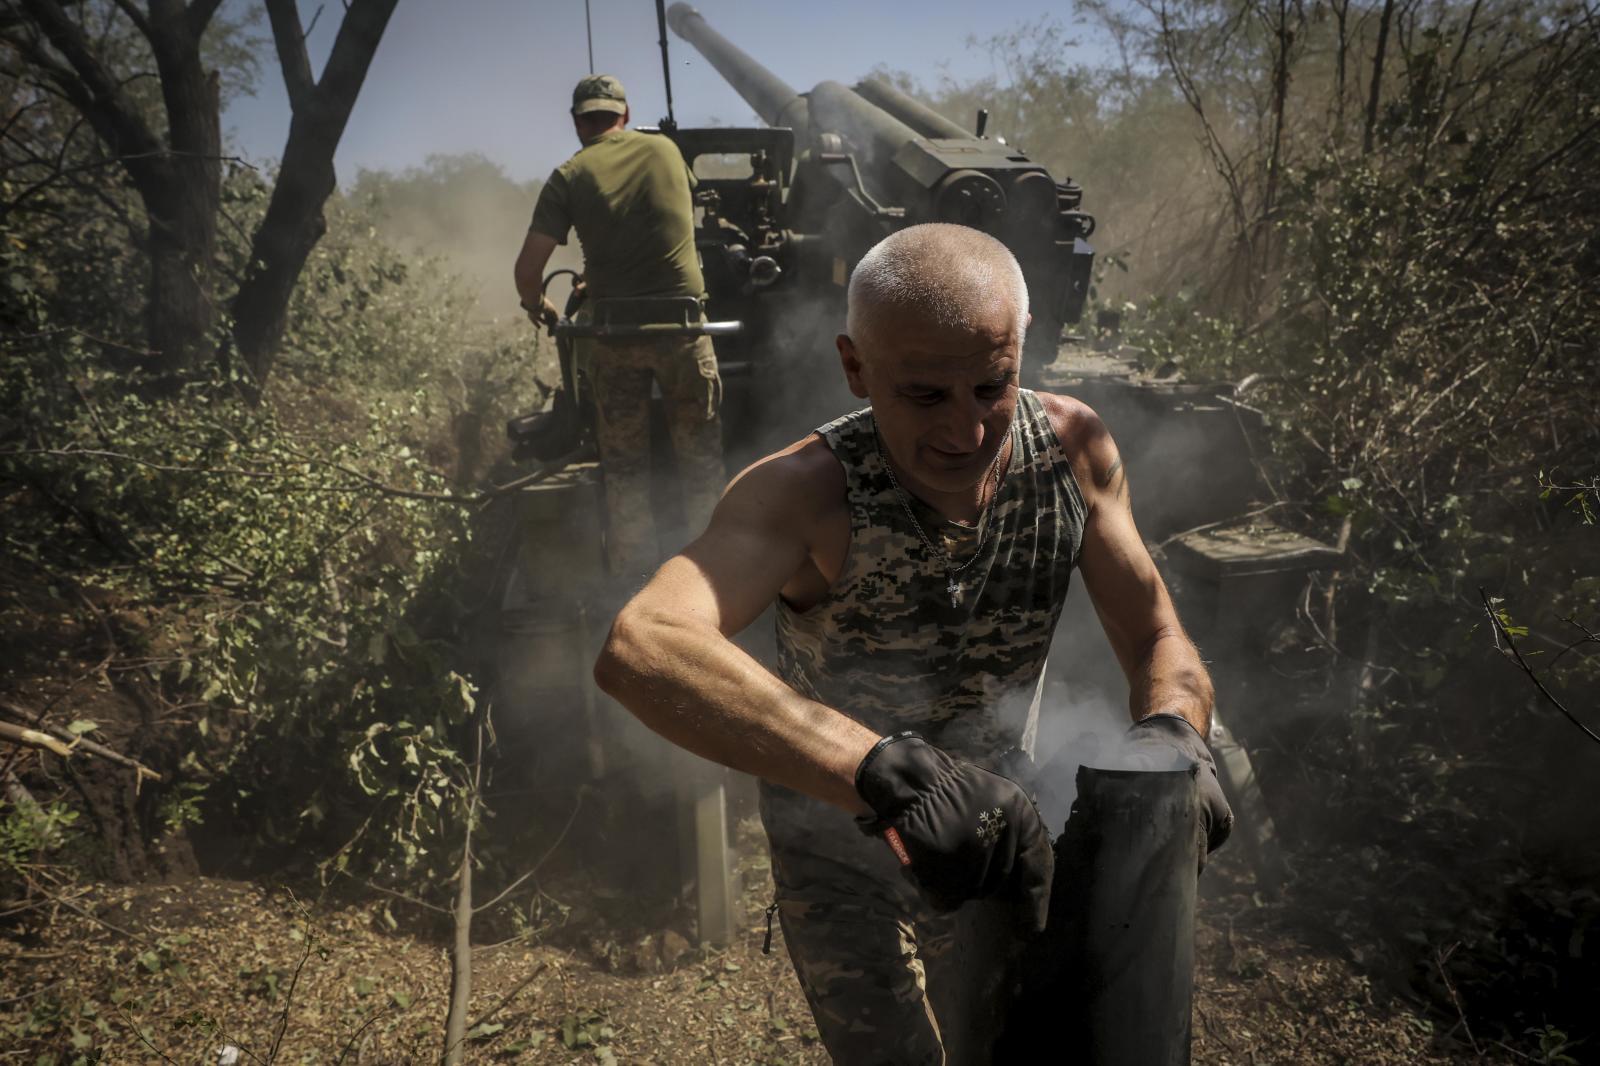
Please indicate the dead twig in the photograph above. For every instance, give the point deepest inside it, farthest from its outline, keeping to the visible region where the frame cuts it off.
(355, 1036)
(36, 992)
(577, 804)
(367, 483)
(508, 997)
(1439, 961)
(288, 1002)
(1205, 1023)
(134, 1026)
(401, 896)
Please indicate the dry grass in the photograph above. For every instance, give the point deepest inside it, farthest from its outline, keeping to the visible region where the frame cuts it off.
(189, 968)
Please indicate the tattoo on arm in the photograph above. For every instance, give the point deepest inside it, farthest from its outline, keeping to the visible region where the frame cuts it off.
(1114, 479)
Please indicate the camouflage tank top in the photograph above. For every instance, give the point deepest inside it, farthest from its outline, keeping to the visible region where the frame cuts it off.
(888, 647)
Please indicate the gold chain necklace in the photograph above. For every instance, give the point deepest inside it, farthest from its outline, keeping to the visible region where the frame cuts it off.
(951, 572)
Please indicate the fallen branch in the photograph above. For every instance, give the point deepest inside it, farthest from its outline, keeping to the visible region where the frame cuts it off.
(63, 742)
(366, 482)
(34, 739)
(86, 913)
(508, 997)
(141, 771)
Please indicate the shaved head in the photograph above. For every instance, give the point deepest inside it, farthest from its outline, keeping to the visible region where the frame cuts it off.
(935, 327)
(946, 275)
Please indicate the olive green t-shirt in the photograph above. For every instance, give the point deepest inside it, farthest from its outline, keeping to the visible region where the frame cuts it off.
(628, 196)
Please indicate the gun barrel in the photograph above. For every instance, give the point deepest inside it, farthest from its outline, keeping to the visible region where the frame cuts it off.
(771, 97)
(838, 109)
(914, 113)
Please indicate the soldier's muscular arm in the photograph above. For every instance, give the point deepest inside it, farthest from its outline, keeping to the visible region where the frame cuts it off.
(1163, 668)
(668, 658)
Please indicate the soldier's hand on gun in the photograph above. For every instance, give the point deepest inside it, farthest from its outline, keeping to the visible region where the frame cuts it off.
(544, 315)
(1162, 737)
(960, 831)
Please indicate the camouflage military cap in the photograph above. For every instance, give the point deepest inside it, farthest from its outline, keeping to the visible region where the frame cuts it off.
(599, 92)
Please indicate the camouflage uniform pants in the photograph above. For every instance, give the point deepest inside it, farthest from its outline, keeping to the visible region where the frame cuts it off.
(621, 374)
(889, 981)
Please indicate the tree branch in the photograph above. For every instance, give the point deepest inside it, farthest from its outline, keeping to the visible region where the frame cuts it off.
(135, 16)
(200, 13)
(290, 40)
(17, 734)
(92, 86)
(64, 743)
(1509, 649)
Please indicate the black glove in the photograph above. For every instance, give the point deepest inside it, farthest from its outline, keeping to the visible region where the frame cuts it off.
(1159, 737)
(966, 832)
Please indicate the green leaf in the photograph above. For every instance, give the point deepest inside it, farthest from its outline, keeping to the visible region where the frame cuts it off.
(81, 726)
(484, 1031)
(401, 1000)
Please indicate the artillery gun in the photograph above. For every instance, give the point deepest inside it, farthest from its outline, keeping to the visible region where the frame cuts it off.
(867, 160)
(783, 214)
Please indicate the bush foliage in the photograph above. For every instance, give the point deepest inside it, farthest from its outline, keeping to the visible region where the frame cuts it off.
(299, 561)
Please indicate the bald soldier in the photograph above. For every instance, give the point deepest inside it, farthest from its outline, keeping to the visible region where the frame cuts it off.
(628, 196)
(918, 552)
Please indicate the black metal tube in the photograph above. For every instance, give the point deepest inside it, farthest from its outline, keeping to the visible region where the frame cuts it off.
(871, 131)
(768, 94)
(671, 121)
(913, 112)
(1111, 982)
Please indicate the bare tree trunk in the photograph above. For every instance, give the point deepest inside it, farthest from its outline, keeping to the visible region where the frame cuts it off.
(294, 221)
(1376, 91)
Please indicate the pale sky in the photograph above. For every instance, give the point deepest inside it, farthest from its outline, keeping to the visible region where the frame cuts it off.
(496, 76)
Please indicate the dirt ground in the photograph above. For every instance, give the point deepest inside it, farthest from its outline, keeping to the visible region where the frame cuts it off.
(180, 972)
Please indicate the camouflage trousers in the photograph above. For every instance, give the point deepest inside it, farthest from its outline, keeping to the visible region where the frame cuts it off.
(621, 373)
(889, 981)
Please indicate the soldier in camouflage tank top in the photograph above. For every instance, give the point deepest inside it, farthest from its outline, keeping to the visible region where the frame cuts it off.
(888, 645)
(858, 531)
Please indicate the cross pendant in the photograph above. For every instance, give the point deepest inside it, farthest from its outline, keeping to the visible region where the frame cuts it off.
(953, 587)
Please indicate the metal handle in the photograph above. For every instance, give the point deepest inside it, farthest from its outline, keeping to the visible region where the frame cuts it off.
(641, 331)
